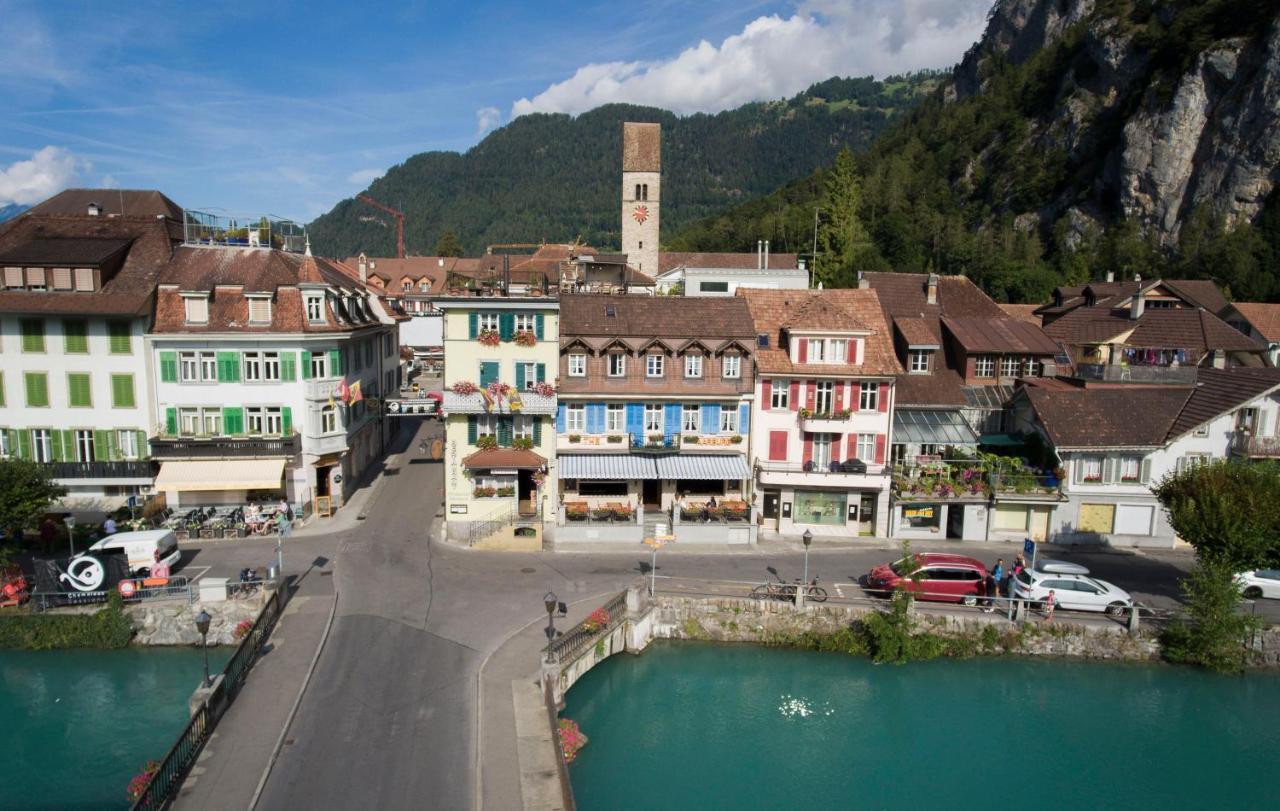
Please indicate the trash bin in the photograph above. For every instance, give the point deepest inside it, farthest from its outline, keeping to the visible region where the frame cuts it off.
(272, 573)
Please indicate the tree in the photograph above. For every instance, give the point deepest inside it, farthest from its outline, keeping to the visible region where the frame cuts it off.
(26, 491)
(448, 244)
(841, 236)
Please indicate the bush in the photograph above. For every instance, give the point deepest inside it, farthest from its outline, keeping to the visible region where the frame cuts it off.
(106, 629)
(1216, 635)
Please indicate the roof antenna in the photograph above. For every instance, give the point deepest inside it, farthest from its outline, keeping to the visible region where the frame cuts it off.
(121, 193)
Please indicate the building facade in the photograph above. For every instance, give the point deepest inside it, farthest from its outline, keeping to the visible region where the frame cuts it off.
(641, 195)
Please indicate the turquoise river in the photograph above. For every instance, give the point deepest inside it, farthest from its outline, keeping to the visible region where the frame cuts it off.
(700, 726)
(78, 725)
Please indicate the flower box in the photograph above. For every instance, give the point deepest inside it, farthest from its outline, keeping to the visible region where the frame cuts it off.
(182, 534)
(526, 338)
(489, 337)
(208, 532)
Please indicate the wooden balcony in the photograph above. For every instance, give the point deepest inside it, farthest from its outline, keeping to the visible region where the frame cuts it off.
(223, 447)
(1249, 446)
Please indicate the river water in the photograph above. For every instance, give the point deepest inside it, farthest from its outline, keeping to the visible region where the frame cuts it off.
(702, 726)
(78, 725)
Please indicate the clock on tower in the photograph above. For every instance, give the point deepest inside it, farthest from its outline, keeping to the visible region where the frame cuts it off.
(640, 214)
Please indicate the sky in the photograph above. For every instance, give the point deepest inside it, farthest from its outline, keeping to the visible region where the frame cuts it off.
(284, 108)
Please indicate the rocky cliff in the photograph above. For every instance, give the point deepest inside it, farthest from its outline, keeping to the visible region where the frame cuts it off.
(1154, 108)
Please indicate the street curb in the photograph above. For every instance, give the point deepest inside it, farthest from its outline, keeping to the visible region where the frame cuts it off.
(288, 722)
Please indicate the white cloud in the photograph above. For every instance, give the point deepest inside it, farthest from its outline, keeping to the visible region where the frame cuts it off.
(109, 182)
(486, 119)
(773, 57)
(49, 171)
(364, 177)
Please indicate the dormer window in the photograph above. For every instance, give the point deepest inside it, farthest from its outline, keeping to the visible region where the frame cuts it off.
(260, 310)
(197, 308)
(984, 366)
(35, 279)
(839, 350)
(407, 286)
(13, 278)
(315, 309)
(918, 361)
(84, 280)
(1009, 366)
(424, 286)
(693, 366)
(817, 351)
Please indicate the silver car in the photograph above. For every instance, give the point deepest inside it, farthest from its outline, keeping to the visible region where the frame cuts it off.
(1072, 588)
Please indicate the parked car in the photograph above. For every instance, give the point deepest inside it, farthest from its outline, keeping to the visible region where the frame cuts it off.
(1260, 583)
(1072, 588)
(944, 577)
(141, 548)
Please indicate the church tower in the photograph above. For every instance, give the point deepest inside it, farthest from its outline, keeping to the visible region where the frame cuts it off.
(641, 194)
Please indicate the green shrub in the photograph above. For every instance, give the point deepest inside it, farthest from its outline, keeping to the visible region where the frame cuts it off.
(107, 628)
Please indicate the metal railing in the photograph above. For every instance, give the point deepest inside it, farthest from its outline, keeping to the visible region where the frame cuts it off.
(138, 469)
(1246, 444)
(1117, 373)
(178, 588)
(570, 644)
(193, 447)
(832, 468)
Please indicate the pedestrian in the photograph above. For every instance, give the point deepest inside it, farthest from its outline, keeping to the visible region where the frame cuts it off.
(1019, 561)
(283, 525)
(283, 507)
(1049, 603)
(993, 588)
(109, 526)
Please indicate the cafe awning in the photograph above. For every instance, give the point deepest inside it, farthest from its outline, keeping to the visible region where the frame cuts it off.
(702, 466)
(612, 466)
(221, 474)
(931, 427)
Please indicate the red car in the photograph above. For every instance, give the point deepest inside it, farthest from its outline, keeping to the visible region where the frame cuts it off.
(949, 578)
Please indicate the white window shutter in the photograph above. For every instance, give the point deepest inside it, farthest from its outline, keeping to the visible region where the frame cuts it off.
(1182, 464)
(1077, 469)
(1108, 470)
(1144, 470)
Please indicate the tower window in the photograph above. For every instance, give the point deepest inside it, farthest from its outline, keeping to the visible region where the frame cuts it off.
(644, 192)
(642, 244)
(638, 197)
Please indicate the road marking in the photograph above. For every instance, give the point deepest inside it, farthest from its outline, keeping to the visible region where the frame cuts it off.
(204, 570)
(353, 546)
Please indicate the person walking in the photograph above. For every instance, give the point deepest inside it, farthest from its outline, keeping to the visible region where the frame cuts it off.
(283, 523)
(1049, 603)
(993, 587)
(1014, 571)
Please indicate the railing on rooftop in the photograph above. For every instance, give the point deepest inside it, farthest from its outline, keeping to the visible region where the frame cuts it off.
(1126, 373)
(217, 447)
(206, 228)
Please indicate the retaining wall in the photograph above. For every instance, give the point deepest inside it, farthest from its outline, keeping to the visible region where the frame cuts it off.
(172, 622)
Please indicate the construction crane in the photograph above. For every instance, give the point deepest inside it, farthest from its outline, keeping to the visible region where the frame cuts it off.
(364, 198)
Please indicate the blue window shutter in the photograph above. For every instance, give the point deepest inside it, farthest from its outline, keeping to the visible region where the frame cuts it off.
(505, 432)
(560, 419)
(711, 418)
(537, 328)
(519, 377)
(595, 418)
(488, 372)
(542, 372)
(472, 432)
(635, 418)
(473, 324)
(671, 419)
(537, 431)
(506, 326)
(744, 418)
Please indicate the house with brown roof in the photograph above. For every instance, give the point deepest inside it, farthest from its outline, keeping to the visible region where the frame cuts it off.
(1114, 442)
(268, 368)
(1259, 321)
(79, 281)
(654, 418)
(821, 419)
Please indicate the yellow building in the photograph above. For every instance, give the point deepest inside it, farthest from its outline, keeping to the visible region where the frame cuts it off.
(501, 360)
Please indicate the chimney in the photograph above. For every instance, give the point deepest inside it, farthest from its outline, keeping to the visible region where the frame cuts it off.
(440, 262)
(95, 209)
(863, 284)
(801, 263)
(364, 269)
(1219, 359)
(932, 297)
(1138, 307)
(1137, 277)
(759, 252)
(1111, 275)
(766, 254)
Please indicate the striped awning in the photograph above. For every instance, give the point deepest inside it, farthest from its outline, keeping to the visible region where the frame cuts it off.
(702, 466)
(221, 474)
(613, 466)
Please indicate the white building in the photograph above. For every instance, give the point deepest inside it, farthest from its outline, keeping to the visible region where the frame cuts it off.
(725, 281)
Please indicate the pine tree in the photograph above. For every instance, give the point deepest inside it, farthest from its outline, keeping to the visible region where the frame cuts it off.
(448, 244)
(841, 235)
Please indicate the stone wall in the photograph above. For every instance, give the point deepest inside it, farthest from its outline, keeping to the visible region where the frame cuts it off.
(172, 622)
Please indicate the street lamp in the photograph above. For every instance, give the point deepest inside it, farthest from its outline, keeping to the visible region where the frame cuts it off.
(549, 601)
(807, 537)
(202, 625)
(71, 530)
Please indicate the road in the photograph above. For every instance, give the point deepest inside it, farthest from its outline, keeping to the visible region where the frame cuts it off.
(388, 719)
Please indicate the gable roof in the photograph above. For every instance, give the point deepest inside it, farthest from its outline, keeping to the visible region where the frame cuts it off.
(1264, 318)
(999, 335)
(114, 202)
(1119, 417)
(1022, 312)
(1218, 391)
(1195, 330)
(1198, 293)
(773, 311)
(588, 314)
(906, 294)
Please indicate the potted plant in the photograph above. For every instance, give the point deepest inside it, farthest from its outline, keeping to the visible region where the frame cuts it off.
(506, 491)
(464, 387)
(522, 443)
(544, 389)
(614, 439)
(655, 439)
(487, 442)
(602, 514)
(489, 337)
(690, 439)
(736, 439)
(574, 438)
(805, 413)
(526, 338)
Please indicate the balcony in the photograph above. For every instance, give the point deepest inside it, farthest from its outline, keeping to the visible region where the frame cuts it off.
(853, 474)
(1005, 478)
(837, 423)
(80, 471)
(223, 447)
(650, 443)
(1125, 373)
(1244, 443)
(322, 388)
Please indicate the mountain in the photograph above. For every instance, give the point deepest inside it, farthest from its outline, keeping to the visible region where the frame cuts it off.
(12, 210)
(1075, 137)
(557, 177)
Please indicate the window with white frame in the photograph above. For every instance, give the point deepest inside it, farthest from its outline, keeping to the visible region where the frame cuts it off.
(42, 444)
(577, 366)
(824, 397)
(1247, 419)
(839, 350)
(780, 395)
(526, 322)
(252, 367)
(984, 366)
(1091, 469)
(1202, 431)
(189, 367)
(731, 366)
(1030, 366)
(654, 365)
(1193, 460)
(84, 446)
(319, 364)
(315, 309)
(530, 375)
(867, 447)
(127, 443)
(260, 310)
(189, 421)
(197, 309)
(692, 418)
(576, 418)
(816, 353)
(729, 418)
(1130, 468)
(328, 419)
(614, 418)
(488, 322)
(617, 364)
(253, 420)
(274, 420)
(270, 365)
(211, 418)
(919, 361)
(5, 450)
(485, 425)
(868, 396)
(209, 367)
(693, 366)
(522, 427)
(652, 417)
(1009, 366)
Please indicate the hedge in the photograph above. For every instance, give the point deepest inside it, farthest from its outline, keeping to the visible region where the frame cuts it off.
(104, 629)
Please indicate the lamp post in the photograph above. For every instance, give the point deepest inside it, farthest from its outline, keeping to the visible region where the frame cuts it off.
(549, 601)
(71, 533)
(807, 537)
(202, 625)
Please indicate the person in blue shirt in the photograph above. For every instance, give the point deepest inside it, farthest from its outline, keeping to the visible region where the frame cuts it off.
(993, 590)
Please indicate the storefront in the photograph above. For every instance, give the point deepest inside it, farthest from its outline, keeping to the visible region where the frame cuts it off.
(190, 483)
(823, 512)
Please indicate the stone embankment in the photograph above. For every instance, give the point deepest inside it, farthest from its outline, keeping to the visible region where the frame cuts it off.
(172, 622)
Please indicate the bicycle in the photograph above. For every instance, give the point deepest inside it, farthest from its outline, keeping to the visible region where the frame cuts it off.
(787, 591)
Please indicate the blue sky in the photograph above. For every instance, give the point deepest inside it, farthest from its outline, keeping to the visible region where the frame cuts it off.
(285, 108)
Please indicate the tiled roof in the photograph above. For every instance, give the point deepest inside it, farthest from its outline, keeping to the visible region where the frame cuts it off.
(669, 260)
(504, 458)
(394, 271)
(1198, 293)
(64, 252)
(1265, 318)
(774, 310)
(114, 202)
(1192, 329)
(941, 387)
(999, 335)
(649, 316)
(906, 294)
(1089, 325)
(1218, 391)
(1120, 417)
(918, 331)
(1022, 312)
(641, 147)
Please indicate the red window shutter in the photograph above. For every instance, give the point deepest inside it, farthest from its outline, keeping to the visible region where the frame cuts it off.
(766, 394)
(808, 448)
(839, 396)
(810, 394)
(803, 351)
(853, 447)
(794, 399)
(884, 396)
(880, 449)
(778, 446)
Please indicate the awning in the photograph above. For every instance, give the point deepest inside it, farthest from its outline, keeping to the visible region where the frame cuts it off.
(221, 474)
(931, 427)
(612, 466)
(504, 458)
(702, 466)
(1003, 440)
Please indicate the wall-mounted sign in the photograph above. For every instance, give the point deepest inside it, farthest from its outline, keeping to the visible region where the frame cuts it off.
(918, 512)
(786, 509)
(458, 509)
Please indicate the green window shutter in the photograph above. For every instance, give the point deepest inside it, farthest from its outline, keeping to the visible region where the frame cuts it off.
(286, 421)
(537, 431)
(306, 365)
(102, 446)
(504, 431)
(473, 324)
(488, 372)
(228, 367)
(79, 394)
(168, 367)
(288, 367)
(519, 377)
(142, 444)
(32, 334)
(232, 421)
(24, 444)
(37, 389)
(542, 373)
(2, 402)
(472, 433)
(76, 336)
(171, 421)
(506, 326)
(335, 363)
(121, 343)
(537, 326)
(63, 449)
(122, 391)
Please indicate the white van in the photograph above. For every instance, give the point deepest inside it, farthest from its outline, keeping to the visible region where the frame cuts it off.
(141, 547)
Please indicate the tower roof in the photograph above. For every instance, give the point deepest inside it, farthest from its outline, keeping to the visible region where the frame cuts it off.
(641, 147)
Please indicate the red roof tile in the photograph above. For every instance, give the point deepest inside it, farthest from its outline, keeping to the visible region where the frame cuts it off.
(1264, 318)
(1004, 335)
(774, 311)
